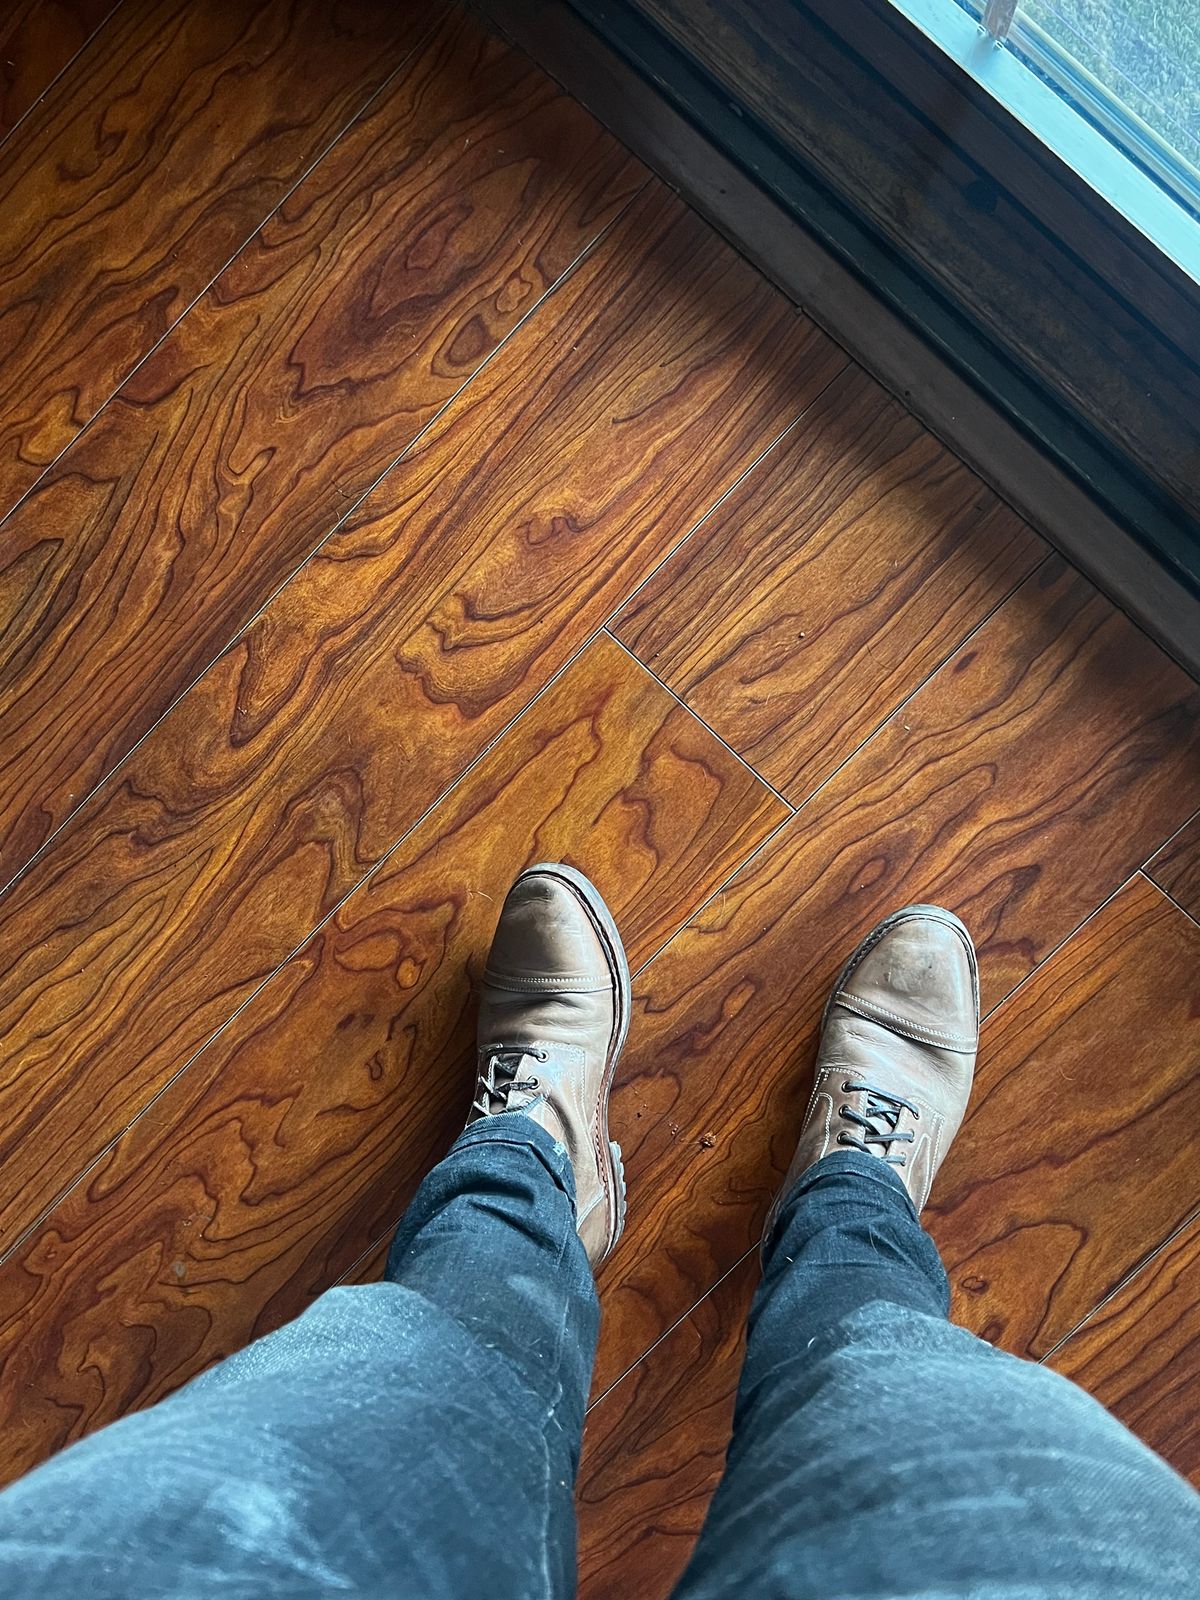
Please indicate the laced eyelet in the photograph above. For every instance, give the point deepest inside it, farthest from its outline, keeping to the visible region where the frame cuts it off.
(532, 1082)
(539, 1055)
(879, 1120)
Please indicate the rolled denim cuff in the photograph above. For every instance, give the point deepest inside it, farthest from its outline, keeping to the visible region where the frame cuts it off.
(516, 1129)
(857, 1162)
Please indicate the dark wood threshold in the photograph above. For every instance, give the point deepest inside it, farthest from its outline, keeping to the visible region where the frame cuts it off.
(854, 286)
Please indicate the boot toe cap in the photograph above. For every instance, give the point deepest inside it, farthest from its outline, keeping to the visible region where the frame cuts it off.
(545, 936)
(919, 965)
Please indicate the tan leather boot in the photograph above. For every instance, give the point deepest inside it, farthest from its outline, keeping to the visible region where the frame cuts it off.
(897, 1052)
(553, 1017)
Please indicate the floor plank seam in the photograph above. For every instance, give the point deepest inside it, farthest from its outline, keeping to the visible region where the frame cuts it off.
(695, 715)
(1062, 943)
(321, 156)
(1119, 1288)
(364, 1255)
(797, 809)
(783, 823)
(720, 500)
(66, 67)
(1168, 896)
(321, 543)
(269, 977)
(917, 687)
(1168, 842)
(667, 1332)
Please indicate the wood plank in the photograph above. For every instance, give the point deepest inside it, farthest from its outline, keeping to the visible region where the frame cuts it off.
(1139, 1354)
(1079, 1154)
(1019, 786)
(826, 588)
(566, 470)
(1176, 868)
(370, 1267)
(654, 1449)
(166, 143)
(37, 40)
(395, 269)
(272, 1162)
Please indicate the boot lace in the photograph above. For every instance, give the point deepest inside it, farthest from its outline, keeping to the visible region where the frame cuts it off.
(879, 1121)
(498, 1080)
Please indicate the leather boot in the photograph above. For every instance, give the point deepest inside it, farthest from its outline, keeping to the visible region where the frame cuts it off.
(553, 1017)
(897, 1052)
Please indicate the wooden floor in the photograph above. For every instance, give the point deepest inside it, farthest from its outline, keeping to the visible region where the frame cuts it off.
(402, 486)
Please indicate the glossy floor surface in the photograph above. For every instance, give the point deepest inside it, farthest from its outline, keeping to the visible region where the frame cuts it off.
(400, 486)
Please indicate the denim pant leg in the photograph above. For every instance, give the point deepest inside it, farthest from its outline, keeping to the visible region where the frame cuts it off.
(414, 1437)
(880, 1453)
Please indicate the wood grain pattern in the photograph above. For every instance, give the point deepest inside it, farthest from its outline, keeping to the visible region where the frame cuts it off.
(1079, 1153)
(381, 284)
(293, 1141)
(1176, 868)
(37, 40)
(1019, 786)
(389, 662)
(1139, 1354)
(235, 1035)
(654, 1450)
(823, 591)
(166, 143)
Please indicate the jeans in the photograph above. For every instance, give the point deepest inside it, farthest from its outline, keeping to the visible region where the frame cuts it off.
(421, 1436)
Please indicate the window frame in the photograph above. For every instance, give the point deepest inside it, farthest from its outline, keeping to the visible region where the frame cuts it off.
(1096, 157)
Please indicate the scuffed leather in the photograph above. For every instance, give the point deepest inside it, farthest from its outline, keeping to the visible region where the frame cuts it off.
(904, 1017)
(551, 987)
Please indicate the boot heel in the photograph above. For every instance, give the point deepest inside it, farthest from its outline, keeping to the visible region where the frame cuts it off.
(618, 1161)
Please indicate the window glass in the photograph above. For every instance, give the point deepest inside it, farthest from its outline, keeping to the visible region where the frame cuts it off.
(1131, 67)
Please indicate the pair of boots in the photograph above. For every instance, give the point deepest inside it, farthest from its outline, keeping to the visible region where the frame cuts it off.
(894, 1067)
